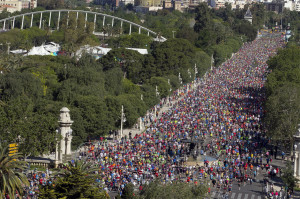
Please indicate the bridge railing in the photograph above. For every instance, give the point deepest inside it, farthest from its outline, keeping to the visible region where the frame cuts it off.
(13, 18)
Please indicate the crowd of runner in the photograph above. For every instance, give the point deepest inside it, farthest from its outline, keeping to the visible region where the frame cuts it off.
(224, 108)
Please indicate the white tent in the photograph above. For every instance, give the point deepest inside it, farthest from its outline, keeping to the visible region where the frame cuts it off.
(18, 51)
(140, 50)
(38, 51)
(102, 51)
(52, 47)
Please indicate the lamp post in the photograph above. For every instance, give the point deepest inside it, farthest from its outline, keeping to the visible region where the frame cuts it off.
(173, 33)
(123, 119)
(296, 153)
(212, 62)
(169, 85)
(295, 160)
(196, 72)
(180, 81)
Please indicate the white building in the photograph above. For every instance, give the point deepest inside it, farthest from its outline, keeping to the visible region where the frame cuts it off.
(125, 2)
(17, 5)
(290, 5)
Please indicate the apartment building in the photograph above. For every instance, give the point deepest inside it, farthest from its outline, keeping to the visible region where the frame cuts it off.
(17, 5)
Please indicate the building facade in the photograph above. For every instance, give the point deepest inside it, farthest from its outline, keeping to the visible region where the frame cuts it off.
(17, 5)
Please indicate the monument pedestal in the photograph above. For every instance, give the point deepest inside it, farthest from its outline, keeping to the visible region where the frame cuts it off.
(297, 154)
(63, 147)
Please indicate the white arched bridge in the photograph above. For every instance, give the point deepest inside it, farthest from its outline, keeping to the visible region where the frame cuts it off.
(53, 19)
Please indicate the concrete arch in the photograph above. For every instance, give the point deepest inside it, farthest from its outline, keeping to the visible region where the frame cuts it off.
(113, 18)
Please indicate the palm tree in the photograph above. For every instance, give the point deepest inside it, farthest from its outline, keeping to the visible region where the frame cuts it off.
(86, 168)
(12, 179)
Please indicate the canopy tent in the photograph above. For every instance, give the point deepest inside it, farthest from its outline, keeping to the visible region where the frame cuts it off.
(38, 51)
(140, 50)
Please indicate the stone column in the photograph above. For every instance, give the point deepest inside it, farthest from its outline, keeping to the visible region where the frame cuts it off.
(41, 17)
(85, 20)
(65, 131)
(76, 19)
(62, 149)
(22, 22)
(298, 165)
(95, 20)
(31, 20)
(49, 23)
(58, 20)
(297, 153)
(13, 26)
(69, 139)
(295, 164)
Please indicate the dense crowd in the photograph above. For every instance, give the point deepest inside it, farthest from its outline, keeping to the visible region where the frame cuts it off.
(224, 108)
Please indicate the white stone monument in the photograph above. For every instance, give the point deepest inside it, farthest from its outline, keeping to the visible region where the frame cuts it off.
(248, 16)
(63, 147)
(297, 153)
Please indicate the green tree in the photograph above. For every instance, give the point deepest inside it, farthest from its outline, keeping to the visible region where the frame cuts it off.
(11, 177)
(288, 176)
(283, 113)
(203, 17)
(172, 55)
(128, 192)
(131, 63)
(283, 93)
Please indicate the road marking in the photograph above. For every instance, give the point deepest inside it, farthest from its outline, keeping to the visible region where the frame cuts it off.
(252, 196)
(232, 195)
(239, 196)
(246, 196)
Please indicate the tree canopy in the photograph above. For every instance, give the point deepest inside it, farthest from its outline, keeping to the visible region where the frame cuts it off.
(283, 95)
